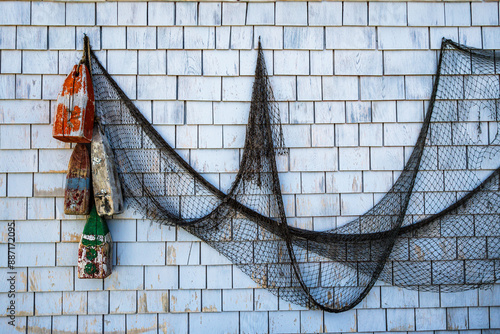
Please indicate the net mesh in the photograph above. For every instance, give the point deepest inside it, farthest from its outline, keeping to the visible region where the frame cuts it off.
(436, 229)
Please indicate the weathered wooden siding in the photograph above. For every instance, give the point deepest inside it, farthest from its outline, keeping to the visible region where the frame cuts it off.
(352, 78)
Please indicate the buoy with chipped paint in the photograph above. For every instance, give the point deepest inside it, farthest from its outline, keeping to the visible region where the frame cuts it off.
(74, 120)
(105, 180)
(77, 192)
(95, 251)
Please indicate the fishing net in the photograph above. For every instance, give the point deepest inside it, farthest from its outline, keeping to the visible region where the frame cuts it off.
(436, 229)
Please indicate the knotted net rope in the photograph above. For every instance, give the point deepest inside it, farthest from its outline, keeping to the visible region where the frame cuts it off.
(437, 228)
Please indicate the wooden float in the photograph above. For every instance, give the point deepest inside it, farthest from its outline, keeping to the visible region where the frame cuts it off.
(95, 252)
(77, 192)
(74, 120)
(105, 180)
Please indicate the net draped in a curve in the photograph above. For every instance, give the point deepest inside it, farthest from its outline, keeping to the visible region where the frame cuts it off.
(437, 228)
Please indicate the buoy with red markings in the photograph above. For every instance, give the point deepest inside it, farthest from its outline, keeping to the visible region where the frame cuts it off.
(95, 251)
(77, 192)
(74, 119)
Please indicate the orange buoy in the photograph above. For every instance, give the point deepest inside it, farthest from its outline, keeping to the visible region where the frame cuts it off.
(74, 120)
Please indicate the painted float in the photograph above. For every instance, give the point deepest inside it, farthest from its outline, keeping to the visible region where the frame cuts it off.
(95, 252)
(105, 180)
(77, 192)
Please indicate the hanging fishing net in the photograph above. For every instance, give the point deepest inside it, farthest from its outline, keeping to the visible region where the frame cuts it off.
(437, 228)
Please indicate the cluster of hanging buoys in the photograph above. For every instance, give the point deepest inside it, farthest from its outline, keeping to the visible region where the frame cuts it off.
(74, 123)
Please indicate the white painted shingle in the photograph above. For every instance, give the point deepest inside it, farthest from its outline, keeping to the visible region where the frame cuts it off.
(418, 87)
(186, 13)
(325, 13)
(382, 88)
(284, 88)
(8, 87)
(62, 38)
(425, 14)
(15, 12)
(225, 322)
(291, 13)
(301, 112)
(484, 14)
(170, 38)
(132, 254)
(409, 62)
(64, 323)
(156, 87)
(199, 38)
(303, 38)
(107, 13)
(192, 277)
(340, 88)
(141, 322)
(323, 135)
(122, 62)
(237, 89)
(491, 37)
(121, 302)
(199, 88)
(185, 301)
(248, 62)
(48, 303)
(233, 13)
(355, 14)
(51, 279)
(132, 13)
(350, 38)
(400, 319)
(223, 63)
(260, 13)
(270, 37)
(457, 14)
(19, 185)
(358, 62)
(32, 38)
(10, 61)
(80, 14)
(313, 160)
(386, 158)
(184, 62)
(94, 35)
(222, 37)
(403, 38)
(161, 13)
(387, 14)
(427, 318)
(356, 204)
(291, 62)
(470, 36)
(8, 40)
(48, 13)
(238, 300)
(437, 35)
(241, 37)
(29, 87)
(152, 62)
(209, 14)
(353, 158)
(308, 88)
(141, 38)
